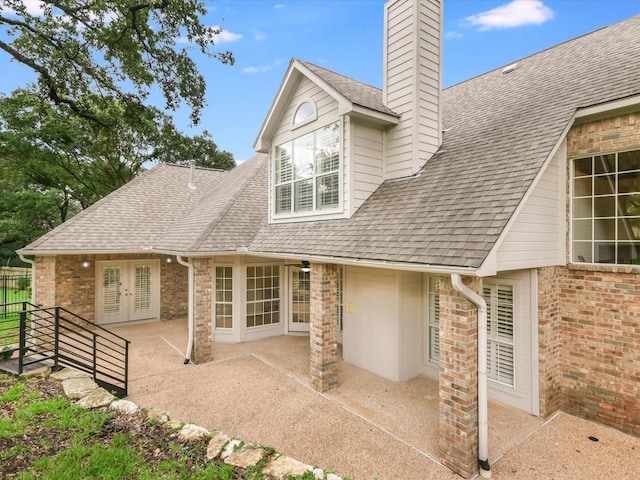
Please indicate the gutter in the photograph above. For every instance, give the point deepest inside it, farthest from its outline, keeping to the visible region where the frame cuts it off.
(191, 306)
(33, 276)
(483, 425)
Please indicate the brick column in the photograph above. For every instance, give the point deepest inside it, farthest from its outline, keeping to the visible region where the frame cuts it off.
(458, 429)
(203, 315)
(323, 336)
(549, 340)
(45, 281)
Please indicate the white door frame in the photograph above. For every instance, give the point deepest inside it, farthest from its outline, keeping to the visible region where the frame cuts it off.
(126, 293)
(297, 306)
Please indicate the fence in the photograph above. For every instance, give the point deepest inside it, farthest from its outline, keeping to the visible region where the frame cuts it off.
(14, 288)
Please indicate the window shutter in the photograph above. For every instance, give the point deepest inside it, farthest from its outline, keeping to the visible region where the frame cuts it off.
(500, 333)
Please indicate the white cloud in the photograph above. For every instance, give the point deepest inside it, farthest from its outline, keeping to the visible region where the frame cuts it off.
(514, 14)
(227, 37)
(34, 7)
(257, 69)
(259, 36)
(453, 34)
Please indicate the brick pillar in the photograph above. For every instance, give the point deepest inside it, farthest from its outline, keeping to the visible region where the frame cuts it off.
(203, 315)
(45, 281)
(549, 340)
(323, 336)
(458, 429)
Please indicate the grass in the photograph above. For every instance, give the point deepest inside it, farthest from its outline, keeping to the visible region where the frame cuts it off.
(45, 436)
(10, 316)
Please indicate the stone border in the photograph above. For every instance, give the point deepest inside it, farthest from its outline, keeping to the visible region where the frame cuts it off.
(80, 387)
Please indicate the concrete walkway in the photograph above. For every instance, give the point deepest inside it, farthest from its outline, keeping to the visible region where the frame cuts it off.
(367, 427)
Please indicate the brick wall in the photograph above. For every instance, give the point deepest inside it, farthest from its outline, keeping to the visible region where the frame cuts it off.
(458, 392)
(75, 285)
(203, 315)
(599, 313)
(45, 295)
(173, 291)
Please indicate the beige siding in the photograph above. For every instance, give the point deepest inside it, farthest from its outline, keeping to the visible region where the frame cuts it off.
(410, 323)
(370, 334)
(412, 84)
(365, 162)
(536, 238)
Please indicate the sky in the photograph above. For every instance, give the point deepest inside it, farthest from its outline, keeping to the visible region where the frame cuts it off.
(346, 36)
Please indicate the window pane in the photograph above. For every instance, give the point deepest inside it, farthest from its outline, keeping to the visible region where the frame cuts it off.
(283, 198)
(582, 208)
(605, 163)
(629, 253)
(629, 161)
(327, 149)
(305, 111)
(605, 252)
(582, 167)
(582, 187)
(328, 191)
(604, 229)
(629, 182)
(582, 229)
(629, 229)
(303, 156)
(604, 185)
(629, 205)
(303, 196)
(582, 252)
(283, 163)
(604, 207)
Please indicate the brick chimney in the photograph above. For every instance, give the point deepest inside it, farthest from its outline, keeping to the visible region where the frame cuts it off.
(412, 83)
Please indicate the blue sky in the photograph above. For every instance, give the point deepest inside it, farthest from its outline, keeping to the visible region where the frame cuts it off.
(346, 36)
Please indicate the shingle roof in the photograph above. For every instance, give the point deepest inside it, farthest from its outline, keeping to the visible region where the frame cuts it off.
(356, 92)
(499, 129)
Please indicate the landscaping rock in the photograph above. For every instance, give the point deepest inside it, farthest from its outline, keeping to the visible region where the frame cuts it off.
(322, 475)
(43, 372)
(67, 373)
(231, 446)
(96, 399)
(216, 444)
(283, 467)
(247, 456)
(77, 388)
(172, 425)
(192, 433)
(158, 416)
(124, 406)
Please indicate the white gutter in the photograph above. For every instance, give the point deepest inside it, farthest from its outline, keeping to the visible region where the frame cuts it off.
(33, 276)
(483, 428)
(191, 306)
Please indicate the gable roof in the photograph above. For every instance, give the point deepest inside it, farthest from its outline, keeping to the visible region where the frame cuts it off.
(500, 129)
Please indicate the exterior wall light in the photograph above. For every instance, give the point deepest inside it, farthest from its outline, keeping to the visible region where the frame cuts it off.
(305, 267)
(85, 263)
(168, 260)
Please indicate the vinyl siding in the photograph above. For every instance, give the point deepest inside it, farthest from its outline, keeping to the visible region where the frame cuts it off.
(411, 318)
(536, 238)
(365, 162)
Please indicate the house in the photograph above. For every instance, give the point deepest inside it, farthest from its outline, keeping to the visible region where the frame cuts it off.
(487, 234)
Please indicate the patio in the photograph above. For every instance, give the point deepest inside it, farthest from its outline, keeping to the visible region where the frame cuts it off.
(260, 392)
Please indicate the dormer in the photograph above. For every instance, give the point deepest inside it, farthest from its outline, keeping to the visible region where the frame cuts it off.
(332, 140)
(311, 133)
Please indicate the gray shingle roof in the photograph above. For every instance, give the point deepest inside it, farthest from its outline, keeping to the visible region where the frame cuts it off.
(500, 128)
(356, 92)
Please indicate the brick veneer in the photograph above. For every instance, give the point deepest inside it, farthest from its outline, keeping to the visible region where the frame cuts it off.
(590, 342)
(62, 280)
(458, 420)
(323, 335)
(203, 315)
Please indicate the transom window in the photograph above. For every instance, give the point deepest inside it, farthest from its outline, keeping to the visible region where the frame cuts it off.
(263, 295)
(606, 209)
(307, 175)
(305, 112)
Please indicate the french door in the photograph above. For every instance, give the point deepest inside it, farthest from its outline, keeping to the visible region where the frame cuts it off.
(127, 290)
(299, 312)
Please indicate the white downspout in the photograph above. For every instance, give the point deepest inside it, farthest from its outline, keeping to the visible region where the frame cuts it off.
(33, 276)
(191, 305)
(483, 424)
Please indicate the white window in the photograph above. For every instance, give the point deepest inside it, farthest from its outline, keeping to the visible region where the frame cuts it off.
(433, 314)
(224, 297)
(305, 113)
(307, 172)
(263, 295)
(500, 335)
(606, 209)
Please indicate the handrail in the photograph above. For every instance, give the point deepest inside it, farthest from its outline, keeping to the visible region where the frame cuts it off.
(67, 339)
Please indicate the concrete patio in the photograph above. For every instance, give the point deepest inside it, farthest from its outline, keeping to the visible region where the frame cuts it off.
(367, 427)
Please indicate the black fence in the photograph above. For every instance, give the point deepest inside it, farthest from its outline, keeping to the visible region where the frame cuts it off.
(13, 289)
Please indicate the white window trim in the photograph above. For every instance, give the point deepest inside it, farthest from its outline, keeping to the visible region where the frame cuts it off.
(516, 308)
(215, 301)
(247, 301)
(308, 120)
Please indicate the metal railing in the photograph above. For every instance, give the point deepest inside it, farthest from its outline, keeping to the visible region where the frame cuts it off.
(60, 338)
(14, 289)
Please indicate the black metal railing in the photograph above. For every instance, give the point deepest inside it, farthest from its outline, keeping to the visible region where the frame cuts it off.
(58, 337)
(14, 289)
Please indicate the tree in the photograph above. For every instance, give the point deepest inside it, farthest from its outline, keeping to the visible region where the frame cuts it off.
(116, 49)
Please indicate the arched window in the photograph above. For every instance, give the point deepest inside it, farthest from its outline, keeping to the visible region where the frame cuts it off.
(305, 112)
